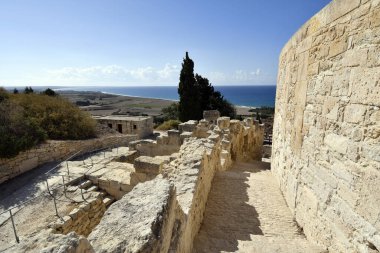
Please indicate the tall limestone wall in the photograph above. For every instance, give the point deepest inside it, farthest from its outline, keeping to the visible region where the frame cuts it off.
(326, 140)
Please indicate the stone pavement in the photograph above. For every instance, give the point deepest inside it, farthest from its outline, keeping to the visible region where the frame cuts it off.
(246, 212)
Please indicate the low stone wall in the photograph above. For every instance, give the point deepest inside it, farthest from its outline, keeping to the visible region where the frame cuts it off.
(194, 168)
(192, 175)
(56, 151)
(166, 144)
(326, 137)
(81, 219)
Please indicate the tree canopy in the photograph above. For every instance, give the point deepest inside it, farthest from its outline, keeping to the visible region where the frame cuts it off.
(197, 95)
(28, 90)
(189, 105)
(49, 92)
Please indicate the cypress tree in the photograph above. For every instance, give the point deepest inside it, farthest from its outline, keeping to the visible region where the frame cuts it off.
(189, 107)
(206, 91)
(197, 94)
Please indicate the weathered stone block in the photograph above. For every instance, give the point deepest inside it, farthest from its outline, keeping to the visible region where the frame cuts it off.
(141, 221)
(188, 126)
(185, 135)
(354, 113)
(337, 143)
(148, 165)
(174, 137)
(211, 116)
(223, 123)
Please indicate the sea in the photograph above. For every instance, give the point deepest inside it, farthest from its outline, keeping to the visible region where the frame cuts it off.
(247, 95)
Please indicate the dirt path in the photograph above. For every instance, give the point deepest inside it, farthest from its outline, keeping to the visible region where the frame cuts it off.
(246, 212)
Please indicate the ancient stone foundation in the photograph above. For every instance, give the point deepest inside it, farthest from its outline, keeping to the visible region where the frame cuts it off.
(326, 141)
(163, 206)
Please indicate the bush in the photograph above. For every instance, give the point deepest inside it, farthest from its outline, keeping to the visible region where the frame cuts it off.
(3, 94)
(58, 117)
(49, 92)
(169, 124)
(171, 111)
(28, 119)
(83, 103)
(17, 133)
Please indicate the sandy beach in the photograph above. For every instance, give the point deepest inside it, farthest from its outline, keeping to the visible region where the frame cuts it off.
(98, 103)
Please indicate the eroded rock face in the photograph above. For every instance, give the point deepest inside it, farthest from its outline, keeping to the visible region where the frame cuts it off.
(139, 222)
(47, 242)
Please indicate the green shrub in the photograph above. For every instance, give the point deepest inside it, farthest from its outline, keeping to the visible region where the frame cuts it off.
(28, 119)
(3, 94)
(17, 132)
(49, 92)
(58, 117)
(171, 111)
(169, 124)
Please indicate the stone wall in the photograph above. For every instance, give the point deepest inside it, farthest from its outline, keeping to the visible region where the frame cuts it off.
(164, 213)
(81, 219)
(141, 221)
(56, 151)
(136, 125)
(192, 171)
(326, 142)
(166, 144)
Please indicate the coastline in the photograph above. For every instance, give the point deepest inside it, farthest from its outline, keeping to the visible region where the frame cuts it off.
(116, 94)
(249, 95)
(105, 103)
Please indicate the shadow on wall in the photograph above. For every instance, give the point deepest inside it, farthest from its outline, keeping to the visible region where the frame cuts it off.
(227, 213)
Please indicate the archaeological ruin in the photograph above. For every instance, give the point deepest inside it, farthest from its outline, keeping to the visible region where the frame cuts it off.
(149, 196)
(211, 185)
(138, 125)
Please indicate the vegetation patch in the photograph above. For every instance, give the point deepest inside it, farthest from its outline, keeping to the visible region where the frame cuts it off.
(28, 119)
(169, 124)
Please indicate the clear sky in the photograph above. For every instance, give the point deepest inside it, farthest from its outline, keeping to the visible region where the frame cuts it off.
(143, 42)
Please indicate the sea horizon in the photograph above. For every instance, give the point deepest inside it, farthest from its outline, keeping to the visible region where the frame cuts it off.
(239, 95)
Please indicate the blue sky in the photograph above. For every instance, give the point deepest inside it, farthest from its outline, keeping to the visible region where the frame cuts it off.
(143, 42)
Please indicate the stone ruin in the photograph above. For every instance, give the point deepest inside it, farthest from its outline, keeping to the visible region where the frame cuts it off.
(325, 159)
(151, 196)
